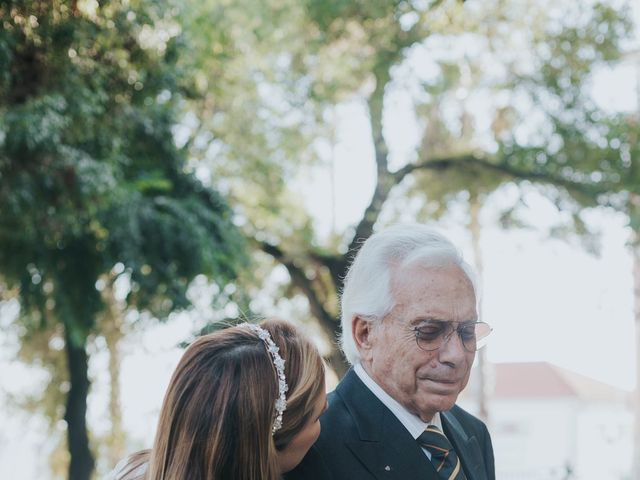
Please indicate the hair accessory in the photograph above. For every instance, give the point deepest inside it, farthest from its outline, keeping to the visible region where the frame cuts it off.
(278, 362)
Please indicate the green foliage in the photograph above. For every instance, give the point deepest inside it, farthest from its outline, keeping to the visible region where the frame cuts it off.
(534, 78)
(501, 90)
(90, 174)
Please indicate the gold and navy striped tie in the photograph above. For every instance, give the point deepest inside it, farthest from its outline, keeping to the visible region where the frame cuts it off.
(443, 456)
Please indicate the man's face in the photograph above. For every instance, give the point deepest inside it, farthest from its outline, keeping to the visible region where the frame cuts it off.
(423, 382)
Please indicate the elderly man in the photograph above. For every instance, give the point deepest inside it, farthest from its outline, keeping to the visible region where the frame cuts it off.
(410, 330)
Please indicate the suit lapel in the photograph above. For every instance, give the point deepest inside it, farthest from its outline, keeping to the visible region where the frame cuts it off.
(396, 456)
(466, 447)
(385, 447)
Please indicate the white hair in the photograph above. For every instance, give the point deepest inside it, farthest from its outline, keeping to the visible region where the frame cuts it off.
(367, 286)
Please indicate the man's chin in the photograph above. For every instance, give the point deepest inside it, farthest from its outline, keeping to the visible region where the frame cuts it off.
(439, 401)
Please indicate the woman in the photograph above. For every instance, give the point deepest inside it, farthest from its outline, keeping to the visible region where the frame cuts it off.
(243, 404)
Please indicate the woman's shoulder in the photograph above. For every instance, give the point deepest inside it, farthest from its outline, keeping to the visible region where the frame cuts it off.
(133, 467)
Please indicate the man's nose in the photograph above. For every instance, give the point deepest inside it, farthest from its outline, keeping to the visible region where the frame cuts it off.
(452, 350)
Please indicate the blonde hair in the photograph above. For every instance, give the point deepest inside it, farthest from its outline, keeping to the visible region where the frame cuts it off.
(304, 371)
(216, 418)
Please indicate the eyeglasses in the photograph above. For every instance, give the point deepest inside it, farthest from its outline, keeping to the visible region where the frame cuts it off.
(431, 335)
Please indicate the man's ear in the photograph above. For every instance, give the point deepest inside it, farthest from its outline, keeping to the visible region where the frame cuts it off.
(361, 330)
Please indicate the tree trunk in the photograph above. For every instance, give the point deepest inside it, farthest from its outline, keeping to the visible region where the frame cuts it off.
(112, 325)
(82, 463)
(636, 289)
(482, 374)
(116, 439)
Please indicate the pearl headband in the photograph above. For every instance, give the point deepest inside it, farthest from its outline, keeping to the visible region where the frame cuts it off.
(278, 362)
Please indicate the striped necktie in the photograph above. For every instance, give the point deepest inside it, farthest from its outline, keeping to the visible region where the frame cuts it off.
(443, 456)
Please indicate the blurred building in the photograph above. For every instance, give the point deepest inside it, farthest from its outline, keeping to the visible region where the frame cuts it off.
(548, 423)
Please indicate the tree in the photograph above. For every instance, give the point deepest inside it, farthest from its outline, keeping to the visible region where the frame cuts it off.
(499, 94)
(91, 178)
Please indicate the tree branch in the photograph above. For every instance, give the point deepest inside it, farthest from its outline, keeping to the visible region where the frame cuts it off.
(384, 181)
(336, 264)
(327, 321)
(503, 168)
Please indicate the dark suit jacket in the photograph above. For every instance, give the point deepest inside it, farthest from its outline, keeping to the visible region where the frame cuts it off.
(362, 439)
